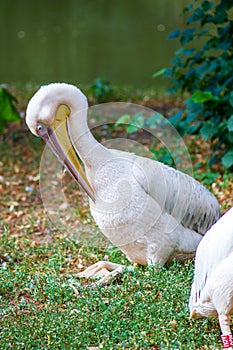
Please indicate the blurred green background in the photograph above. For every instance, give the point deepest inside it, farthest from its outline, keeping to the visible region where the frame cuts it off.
(124, 41)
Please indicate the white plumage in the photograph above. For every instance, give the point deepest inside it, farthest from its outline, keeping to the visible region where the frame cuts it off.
(212, 288)
(152, 212)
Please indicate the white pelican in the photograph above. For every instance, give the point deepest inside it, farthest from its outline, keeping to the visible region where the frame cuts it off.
(152, 212)
(212, 288)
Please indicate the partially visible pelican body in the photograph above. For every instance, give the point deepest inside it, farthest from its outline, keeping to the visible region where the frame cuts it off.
(152, 212)
(212, 288)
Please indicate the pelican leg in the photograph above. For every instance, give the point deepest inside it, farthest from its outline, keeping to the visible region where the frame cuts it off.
(227, 339)
(104, 270)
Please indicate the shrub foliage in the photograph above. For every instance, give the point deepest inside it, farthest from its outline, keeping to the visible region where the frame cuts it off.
(203, 67)
(8, 111)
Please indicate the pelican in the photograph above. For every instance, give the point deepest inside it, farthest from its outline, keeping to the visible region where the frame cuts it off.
(152, 212)
(212, 288)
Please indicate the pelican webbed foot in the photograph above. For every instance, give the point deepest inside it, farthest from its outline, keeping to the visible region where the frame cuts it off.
(104, 270)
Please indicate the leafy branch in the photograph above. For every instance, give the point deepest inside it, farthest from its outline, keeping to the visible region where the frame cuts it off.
(206, 73)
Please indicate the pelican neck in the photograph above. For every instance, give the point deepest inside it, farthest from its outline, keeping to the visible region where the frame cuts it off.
(87, 147)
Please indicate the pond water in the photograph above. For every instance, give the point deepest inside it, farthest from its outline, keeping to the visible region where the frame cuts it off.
(124, 41)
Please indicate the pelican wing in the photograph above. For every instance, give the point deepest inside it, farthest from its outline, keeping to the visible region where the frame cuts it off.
(178, 194)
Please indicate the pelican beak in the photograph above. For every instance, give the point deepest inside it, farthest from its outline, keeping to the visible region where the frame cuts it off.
(57, 138)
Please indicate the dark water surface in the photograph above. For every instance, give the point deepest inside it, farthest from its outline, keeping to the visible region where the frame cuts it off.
(76, 41)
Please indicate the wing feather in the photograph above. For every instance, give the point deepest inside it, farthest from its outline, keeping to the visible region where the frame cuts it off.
(178, 194)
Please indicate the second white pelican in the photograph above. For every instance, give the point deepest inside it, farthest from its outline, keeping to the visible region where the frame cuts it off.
(152, 212)
(212, 289)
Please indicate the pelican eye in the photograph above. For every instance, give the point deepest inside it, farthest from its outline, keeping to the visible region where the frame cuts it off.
(41, 129)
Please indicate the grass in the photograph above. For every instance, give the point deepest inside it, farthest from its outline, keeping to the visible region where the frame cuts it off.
(143, 309)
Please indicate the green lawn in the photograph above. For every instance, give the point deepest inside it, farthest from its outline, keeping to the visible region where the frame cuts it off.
(143, 309)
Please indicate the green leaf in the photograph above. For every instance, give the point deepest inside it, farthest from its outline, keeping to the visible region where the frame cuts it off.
(222, 31)
(136, 123)
(220, 15)
(227, 159)
(230, 123)
(197, 15)
(207, 5)
(101, 89)
(175, 119)
(208, 177)
(231, 99)
(184, 51)
(187, 8)
(225, 45)
(8, 112)
(230, 137)
(175, 34)
(187, 36)
(208, 130)
(124, 119)
(153, 121)
(202, 32)
(203, 96)
(160, 72)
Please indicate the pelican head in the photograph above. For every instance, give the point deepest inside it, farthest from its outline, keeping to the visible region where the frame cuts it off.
(47, 116)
